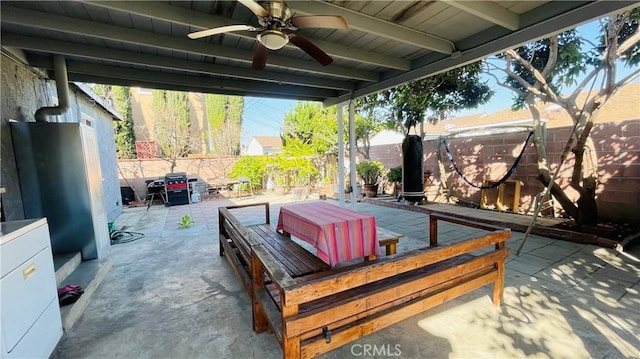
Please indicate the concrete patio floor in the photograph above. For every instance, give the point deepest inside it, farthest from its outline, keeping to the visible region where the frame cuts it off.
(170, 295)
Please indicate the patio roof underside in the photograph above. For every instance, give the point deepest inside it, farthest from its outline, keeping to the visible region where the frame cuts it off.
(388, 43)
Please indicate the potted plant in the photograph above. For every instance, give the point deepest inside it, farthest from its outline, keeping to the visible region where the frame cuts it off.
(395, 178)
(280, 181)
(370, 172)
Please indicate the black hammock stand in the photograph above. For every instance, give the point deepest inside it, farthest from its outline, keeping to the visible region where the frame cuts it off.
(499, 182)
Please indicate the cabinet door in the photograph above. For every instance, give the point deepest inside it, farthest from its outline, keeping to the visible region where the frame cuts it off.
(26, 292)
(20, 249)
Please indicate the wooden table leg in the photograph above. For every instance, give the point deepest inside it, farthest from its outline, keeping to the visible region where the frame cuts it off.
(391, 248)
(516, 197)
(500, 199)
(153, 195)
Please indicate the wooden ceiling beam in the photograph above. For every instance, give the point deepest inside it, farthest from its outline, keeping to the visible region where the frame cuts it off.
(40, 20)
(180, 15)
(489, 11)
(197, 67)
(375, 26)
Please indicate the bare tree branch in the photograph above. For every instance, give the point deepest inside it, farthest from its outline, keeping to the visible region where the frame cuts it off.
(632, 76)
(584, 82)
(553, 58)
(611, 53)
(593, 44)
(502, 84)
(517, 77)
(538, 76)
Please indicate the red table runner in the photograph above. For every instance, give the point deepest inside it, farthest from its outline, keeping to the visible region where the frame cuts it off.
(339, 234)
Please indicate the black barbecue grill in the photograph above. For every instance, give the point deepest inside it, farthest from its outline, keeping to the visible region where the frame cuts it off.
(176, 188)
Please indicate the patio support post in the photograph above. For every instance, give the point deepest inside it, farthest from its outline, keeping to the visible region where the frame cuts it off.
(340, 154)
(352, 154)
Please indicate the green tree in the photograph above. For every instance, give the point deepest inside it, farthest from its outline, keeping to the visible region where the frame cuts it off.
(309, 137)
(312, 126)
(537, 72)
(172, 125)
(224, 117)
(368, 123)
(119, 98)
(124, 134)
(432, 98)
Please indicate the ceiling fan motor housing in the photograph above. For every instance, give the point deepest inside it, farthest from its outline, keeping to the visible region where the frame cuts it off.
(278, 11)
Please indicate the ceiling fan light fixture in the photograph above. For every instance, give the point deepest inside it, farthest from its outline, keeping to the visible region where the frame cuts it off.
(273, 39)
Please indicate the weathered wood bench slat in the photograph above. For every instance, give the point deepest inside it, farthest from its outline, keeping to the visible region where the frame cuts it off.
(375, 297)
(280, 251)
(238, 267)
(242, 245)
(311, 305)
(435, 217)
(260, 204)
(422, 293)
(370, 324)
(297, 260)
(238, 240)
(271, 311)
(386, 267)
(465, 222)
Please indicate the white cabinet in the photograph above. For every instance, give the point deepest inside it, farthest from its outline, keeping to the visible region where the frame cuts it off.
(30, 314)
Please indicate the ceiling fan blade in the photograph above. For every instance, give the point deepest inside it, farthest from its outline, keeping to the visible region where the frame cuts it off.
(311, 49)
(220, 30)
(255, 8)
(320, 21)
(260, 57)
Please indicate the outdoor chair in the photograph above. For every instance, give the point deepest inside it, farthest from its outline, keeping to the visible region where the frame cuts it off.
(242, 181)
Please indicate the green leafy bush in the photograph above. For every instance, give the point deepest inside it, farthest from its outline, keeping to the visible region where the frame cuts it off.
(252, 167)
(284, 170)
(369, 171)
(395, 174)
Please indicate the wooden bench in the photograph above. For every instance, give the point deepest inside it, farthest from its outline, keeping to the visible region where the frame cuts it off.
(237, 240)
(319, 312)
(388, 239)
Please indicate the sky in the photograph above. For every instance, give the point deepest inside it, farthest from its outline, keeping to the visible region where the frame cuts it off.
(263, 117)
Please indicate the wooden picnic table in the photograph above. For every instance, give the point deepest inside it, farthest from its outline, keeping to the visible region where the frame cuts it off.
(339, 234)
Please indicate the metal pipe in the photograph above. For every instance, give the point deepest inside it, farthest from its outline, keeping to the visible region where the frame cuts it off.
(489, 131)
(62, 86)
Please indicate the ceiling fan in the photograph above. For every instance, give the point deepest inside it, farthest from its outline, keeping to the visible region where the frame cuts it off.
(277, 28)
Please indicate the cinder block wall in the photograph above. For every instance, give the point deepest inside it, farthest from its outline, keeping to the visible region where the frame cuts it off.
(618, 151)
(134, 173)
